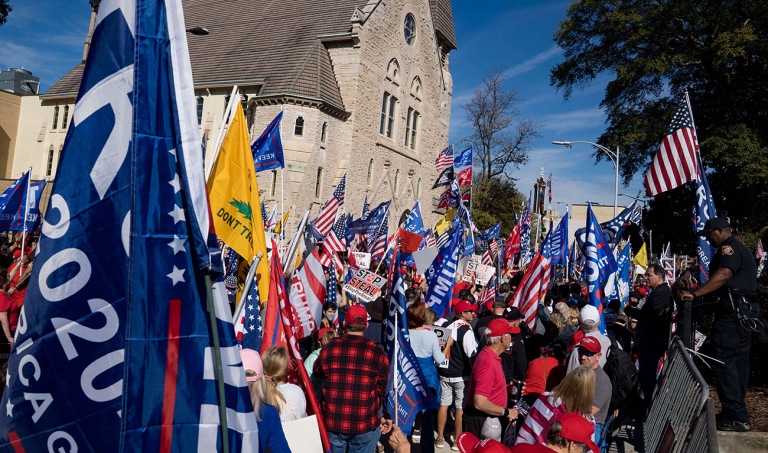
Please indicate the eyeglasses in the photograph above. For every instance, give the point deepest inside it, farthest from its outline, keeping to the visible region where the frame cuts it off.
(586, 353)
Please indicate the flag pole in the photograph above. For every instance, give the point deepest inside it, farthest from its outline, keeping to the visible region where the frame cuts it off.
(219, 372)
(219, 137)
(292, 246)
(282, 183)
(397, 332)
(26, 214)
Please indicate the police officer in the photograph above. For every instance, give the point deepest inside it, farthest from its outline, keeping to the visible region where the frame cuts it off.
(733, 278)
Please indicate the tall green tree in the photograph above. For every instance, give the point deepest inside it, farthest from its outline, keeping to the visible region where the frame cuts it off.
(655, 50)
(494, 202)
(5, 8)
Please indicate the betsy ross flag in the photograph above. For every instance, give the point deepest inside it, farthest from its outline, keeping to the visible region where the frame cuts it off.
(250, 336)
(116, 352)
(444, 159)
(675, 163)
(327, 216)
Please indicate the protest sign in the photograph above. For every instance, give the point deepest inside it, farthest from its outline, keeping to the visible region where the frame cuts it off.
(424, 258)
(409, 242)
(479, 273)
(442, 333)
(362, 259)
(365, 285)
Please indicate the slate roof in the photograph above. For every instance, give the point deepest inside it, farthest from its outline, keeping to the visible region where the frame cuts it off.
(70, 83)
(442, 16)
(275, 40)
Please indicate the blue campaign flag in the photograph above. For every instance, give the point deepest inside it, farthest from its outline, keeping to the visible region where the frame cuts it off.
(407, 381)
(396, 306)
(114, 350)
(415, 223)
(703, 210)
(617, 286)
(525, 234)
(463, 159)
(370, 222)
(559, 245)
(600, 263)
(491, 233)
(470, 245)
(614, 229)
(268, 148)
(441, 274)
(252, 331)
(14, 201)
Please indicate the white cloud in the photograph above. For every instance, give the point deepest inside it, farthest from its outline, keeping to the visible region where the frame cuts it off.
(575, 120)
(531, 63)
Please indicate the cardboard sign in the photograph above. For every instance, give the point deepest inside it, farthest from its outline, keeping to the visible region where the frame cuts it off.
(424, 258)
(363, 259)
(480, 273)
(442, 333)
(303, 435)
(365, 285)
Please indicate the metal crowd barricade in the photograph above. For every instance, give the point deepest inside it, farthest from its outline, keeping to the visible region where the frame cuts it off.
(677, 419)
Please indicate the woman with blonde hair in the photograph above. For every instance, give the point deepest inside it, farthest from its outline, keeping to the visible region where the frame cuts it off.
(575, 394)
(287, 398)
(271, 435)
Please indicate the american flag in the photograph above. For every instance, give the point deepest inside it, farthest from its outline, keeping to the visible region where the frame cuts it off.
(444, 159)
(534, 284)
(380, 243)
(488, 294)
(336, 241)
(675, 162)
(251, 335)
(263, 211)
(430, 238)
(324, 220)
(494, 248)
(486, 258)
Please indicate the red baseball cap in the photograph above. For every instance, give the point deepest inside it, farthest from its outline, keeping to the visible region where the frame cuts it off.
(500, 327)
(463, 306)
(357, 314)
(468, 443)
(590, 344)
(577, 429)
(323, 330)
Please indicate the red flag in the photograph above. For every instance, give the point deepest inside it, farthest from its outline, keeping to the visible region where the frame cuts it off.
(512, 247)
(288, 317)
(410, 241)
(465, 177)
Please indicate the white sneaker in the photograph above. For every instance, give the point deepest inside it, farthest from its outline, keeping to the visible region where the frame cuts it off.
(416, 436)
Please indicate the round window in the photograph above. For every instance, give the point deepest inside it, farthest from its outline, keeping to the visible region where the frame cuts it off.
(410, 29)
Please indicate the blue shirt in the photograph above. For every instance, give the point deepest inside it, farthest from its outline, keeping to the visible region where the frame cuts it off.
(271, 431)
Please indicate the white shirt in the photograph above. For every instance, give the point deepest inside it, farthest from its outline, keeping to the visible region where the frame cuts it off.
(295, 400)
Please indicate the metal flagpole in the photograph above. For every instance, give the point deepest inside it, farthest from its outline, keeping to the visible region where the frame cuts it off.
(219, 136)
(282, 183)
(26, 214)
(219, 371)
(293, 245)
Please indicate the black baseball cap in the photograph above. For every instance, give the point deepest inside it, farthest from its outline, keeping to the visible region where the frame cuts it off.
(410, 293)
(513, 314)
(713, 224)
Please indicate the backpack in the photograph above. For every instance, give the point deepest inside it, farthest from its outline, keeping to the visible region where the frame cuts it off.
(623, 375)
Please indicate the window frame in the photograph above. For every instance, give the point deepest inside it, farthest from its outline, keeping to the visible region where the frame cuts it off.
(324, 132)
(411, 128)
(319, 183)
(49, 167)
(199, 104)
(412, 18)
(296, 126)
(55, 118)
(274, 183)
(65, 118)
(388, 115)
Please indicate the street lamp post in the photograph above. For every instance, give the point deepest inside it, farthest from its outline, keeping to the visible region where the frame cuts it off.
(614, 158)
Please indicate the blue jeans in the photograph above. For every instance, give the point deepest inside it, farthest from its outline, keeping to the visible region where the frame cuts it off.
(354, 443)
(601, 434)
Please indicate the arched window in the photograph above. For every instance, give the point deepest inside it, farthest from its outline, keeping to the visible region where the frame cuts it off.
(319, 182)
(324, 132)
(393, 69)
(409, 29)
(65, 118)
(298, 129)
(200, 102)
(55, 117)
(388, 105)
(370, 172)
(416, 86)
(274, 183)
(49, 167)
(411, 127)
(397, 180)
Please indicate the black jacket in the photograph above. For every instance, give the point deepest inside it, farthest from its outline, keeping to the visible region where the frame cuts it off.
(654, 319)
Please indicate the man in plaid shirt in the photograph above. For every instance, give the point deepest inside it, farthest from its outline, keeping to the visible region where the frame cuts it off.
(355, 371)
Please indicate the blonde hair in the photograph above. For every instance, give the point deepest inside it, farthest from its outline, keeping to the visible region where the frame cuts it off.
(275, 361)
(573, 320)
(577, 391)
(328, 336)
(559, 320)
(431, 317)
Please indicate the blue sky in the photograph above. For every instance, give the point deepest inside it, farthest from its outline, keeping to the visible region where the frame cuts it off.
(46, 37)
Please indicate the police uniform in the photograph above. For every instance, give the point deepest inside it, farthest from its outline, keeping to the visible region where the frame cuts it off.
(731, 338)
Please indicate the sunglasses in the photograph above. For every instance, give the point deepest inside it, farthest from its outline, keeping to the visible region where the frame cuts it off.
(586, 353)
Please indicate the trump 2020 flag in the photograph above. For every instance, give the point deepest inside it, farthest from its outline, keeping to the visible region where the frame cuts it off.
(600, 263)
(559, 243)
(370, 222)
(114, 350)
(396, 304)
(268, 148)
(703, 210)
(415, 223)
(408, 384)
(14, 201)
(613, 229)
(441, 274)
(617, 286)
(463, 159)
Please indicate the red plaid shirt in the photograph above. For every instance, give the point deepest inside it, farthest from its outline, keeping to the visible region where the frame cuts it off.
(356, 372)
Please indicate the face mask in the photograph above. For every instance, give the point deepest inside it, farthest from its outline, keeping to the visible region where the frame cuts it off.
(331, 316)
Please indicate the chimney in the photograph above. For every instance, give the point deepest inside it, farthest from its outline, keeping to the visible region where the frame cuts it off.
(88, 37)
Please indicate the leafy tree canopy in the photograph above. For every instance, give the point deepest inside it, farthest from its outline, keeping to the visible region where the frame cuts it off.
(5, 8)
(655, 50)
(494, 202)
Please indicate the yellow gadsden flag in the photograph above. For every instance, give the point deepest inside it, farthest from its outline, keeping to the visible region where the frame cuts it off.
(235, 203)
(279, 227)
(641, 259)
(445, 222)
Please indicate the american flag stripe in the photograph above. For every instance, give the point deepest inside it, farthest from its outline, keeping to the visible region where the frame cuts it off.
(327, 215)
(675, 163)
(444, 159)
(534, 284)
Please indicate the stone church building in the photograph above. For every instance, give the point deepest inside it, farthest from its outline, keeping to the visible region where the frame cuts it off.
(365, 89)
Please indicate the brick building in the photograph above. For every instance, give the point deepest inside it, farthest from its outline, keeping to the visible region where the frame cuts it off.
(365, 89)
